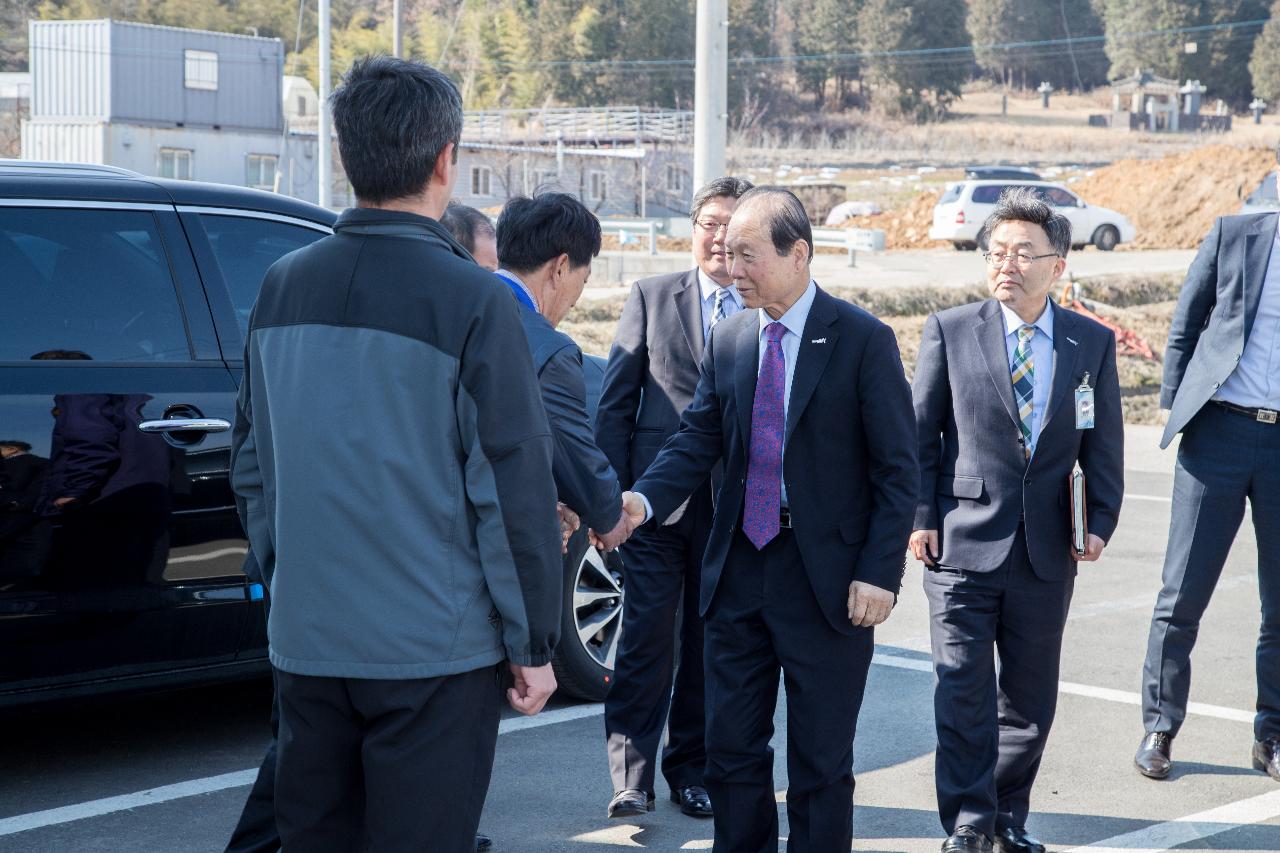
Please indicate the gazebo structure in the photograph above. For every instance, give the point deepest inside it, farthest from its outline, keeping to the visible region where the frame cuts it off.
(1152, 102)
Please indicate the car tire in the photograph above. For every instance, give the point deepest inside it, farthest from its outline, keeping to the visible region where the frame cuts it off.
(964, 245)
(1106, 238)
(590, 620)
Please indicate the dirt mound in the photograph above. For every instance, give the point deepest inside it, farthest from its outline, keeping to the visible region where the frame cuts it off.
(1173, 200)
(904, 227)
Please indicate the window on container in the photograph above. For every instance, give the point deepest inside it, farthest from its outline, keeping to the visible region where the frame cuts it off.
(675, 179)
(481, 177)
(261, 171)
(176, 163)
(597, 185)
(201, 70)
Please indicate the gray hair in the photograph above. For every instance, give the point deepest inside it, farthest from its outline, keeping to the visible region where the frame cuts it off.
(394, 117)
(788, 221)
(727, 187)
(1026, 204)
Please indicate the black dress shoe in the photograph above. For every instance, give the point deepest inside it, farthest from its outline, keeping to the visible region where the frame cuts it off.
(1015, 840)
(693, 800)
(630, 802)
(483, 842)
(1153, 759)
(966, 839)
(1266, 756)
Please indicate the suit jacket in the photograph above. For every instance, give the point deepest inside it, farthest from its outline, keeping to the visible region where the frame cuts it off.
(652, 372)
(1215, 314)
(21, 482)
(584, 479)
(976, 484)
(849, 463)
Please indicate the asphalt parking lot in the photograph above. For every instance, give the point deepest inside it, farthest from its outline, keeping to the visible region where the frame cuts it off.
(169, 772)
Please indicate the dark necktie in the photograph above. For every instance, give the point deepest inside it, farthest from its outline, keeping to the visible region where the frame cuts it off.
(723, 306)
(760, 518)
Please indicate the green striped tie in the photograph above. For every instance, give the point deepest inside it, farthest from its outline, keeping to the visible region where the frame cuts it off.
(1024, 373)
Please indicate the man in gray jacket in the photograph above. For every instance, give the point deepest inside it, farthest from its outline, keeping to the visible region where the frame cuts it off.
(392, 461)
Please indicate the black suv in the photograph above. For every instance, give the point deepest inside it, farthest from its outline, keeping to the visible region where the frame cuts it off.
(126, 301)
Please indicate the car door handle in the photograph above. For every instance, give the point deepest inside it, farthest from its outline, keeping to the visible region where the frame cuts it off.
(186, 425)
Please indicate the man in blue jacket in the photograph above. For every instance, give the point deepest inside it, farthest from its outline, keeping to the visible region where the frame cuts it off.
(424, 551)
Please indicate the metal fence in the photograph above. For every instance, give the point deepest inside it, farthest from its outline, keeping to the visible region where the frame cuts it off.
(603, 124)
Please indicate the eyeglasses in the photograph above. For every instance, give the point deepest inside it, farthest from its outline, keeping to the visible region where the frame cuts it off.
(711, 226)
(997, 259)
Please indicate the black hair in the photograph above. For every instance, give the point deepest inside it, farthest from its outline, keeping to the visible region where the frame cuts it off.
(726, 187)
(393, 118)
(532, 231)
(1025, 204)
(13, 442)
(466, 224)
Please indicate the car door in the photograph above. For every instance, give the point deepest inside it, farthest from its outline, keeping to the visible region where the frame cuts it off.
(1069, 205)
(123, 561)
(233, 249)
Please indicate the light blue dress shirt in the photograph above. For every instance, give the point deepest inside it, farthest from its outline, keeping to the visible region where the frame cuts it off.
(1041, 361)
(1256, 380)
(709, 289)
(795, 318)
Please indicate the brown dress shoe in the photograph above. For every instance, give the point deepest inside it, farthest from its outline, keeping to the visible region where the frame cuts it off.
(1153, 759)
(1266, 756)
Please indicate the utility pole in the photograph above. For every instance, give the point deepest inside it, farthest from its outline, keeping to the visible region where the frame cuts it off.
(323, 139)
(397, 36)
(711, 91)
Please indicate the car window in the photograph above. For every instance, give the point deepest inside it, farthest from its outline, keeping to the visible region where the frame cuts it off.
(1060, 197)
(87, 284)
(952, 194)
(245, 248)
(988, 193)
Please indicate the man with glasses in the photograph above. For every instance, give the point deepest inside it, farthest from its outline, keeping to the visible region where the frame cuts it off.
(1010, 395)
(652, 373)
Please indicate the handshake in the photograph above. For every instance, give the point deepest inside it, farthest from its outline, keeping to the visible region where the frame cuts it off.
(632, 516)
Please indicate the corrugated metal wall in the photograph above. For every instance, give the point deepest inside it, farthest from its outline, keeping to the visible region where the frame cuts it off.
(135, 73)
(148, 73)
(70, 69)
(64, 141)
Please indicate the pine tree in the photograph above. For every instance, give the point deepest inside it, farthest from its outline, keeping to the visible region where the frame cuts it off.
(1264, 66)
(920, 85)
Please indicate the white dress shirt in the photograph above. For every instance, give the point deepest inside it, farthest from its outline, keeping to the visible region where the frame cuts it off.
(1256, 380)
(1041, 362)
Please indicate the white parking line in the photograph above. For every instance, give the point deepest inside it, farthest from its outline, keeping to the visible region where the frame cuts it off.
(211, 784)
(1087, 690)
(1185, 830)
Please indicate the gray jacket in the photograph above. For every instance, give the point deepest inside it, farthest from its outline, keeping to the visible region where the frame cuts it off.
(392, 460)
(1216, 307)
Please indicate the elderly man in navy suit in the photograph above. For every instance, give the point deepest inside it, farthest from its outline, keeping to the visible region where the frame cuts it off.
(804, 401)
(1222, 386)
(1010, 395)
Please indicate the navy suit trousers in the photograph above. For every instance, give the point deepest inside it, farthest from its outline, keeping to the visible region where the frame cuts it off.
(992, 728)
(764, 619)
(1224, 459)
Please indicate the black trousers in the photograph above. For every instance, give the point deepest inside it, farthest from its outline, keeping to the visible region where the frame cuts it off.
(992, 729)
(256, 831)
(1224, 459)
(664, 571)
(764, 619)
(384, 765)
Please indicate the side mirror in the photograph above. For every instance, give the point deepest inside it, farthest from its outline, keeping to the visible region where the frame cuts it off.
(1080, 203)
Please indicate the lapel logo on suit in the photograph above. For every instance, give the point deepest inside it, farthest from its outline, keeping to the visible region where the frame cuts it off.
(1074, 342)
(818, 341)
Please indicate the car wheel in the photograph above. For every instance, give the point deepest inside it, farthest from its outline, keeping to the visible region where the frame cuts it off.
(1106, 238)
(590, 621)
(965, 245)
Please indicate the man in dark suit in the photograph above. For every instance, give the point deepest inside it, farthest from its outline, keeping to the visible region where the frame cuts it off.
(652, 372)
(1222, 386)
(805, 403)
(1010, 394)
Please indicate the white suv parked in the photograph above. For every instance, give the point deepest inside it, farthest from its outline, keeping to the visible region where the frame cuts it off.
(965, 205)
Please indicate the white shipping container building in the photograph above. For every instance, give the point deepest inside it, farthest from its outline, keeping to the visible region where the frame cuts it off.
(161, 101)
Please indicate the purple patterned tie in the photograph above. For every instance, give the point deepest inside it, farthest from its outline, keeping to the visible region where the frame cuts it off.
(764, 459)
